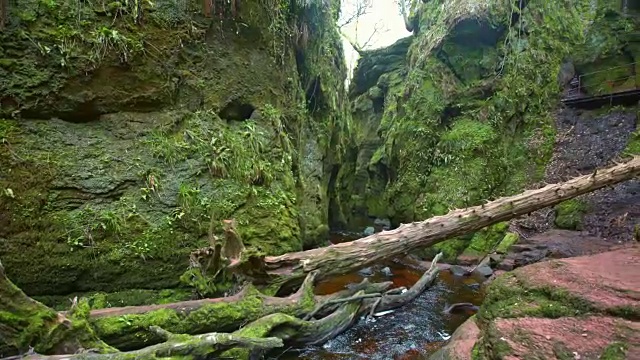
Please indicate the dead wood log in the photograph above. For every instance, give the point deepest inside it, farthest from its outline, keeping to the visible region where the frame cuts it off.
(349, 256)
(127, 328)
(458, 307)
(264, 334)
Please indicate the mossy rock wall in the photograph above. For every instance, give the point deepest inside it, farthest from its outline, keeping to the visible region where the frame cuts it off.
(124, 129)
(469, 115)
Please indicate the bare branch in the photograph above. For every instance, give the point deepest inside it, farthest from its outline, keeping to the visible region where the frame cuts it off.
(377, 29)
(353, 10)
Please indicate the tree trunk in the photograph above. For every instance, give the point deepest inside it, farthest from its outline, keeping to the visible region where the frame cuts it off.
(347, 257)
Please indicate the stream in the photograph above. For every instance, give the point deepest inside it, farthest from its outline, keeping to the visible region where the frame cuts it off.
(414, 331)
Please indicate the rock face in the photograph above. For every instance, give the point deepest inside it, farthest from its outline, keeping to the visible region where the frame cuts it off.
(584, 307)
(470, 112)
(126, 130)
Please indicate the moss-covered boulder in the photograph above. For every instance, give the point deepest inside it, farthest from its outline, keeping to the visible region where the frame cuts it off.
(569, 214)
(127, 126)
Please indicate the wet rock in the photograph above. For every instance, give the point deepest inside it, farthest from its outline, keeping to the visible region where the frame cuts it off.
(386, 271)
(495, 259)
(484, 270)
(566, 74)
(521, 248)
(468, 259)
(256, 115)
(383, 223)
(603, 281)
(506, 265)
(461, 344)
(552, 244)
(369, 231)
(458, 270)
(474, 287)
(366, 272)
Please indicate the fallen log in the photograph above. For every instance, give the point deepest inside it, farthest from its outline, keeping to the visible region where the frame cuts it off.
(128, 328)
(267, 333)
(349, 256)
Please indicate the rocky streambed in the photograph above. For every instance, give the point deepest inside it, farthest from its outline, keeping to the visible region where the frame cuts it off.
(556, 295)
(414, 331)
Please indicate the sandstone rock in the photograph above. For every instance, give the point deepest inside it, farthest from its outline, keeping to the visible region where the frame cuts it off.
(564, 307)
(460, 346)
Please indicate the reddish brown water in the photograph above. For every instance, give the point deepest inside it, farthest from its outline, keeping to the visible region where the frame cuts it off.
(411, 332)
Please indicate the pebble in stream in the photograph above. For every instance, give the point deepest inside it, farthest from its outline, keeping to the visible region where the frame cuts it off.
(411, 332)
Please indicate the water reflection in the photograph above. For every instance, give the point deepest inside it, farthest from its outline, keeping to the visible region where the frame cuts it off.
(411, 332)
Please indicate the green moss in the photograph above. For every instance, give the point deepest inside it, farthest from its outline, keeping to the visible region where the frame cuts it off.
(627, 312)
(473, 115)
(486, 239)
(569, 214)
(562, 352)
(508, 240)
(133, 297)
(120, 203)
(508, 296)
(27, 323)
(611, 74)
(614, 351)
(132, 331)
(450, 249)
(498, 348)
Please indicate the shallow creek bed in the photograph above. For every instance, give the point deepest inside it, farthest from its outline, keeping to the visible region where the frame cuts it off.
(414, 331)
